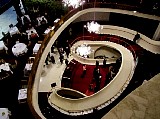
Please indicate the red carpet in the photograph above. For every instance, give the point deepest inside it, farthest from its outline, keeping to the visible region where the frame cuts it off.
(82, 84)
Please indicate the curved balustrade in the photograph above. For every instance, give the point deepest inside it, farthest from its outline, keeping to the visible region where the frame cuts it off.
(90, 61)
(105, 38)
(69, 93)
(106, 95)
(145, 42)
(49, 40)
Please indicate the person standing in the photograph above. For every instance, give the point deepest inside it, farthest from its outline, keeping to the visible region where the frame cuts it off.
(136, 37)
(46, 61)
(84, 71)
(66, 62)
(66, 77)
(52, 59)
(104, 63)
(61, 58)
(97, 64)
(98, 80)
(52, 49)
(67, 50)
(25, 21)
(108, 78)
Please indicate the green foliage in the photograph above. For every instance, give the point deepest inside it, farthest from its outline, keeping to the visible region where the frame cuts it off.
(44, 5)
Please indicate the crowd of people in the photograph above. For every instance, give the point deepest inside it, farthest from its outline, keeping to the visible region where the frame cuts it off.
(63, 52)
(96, 82)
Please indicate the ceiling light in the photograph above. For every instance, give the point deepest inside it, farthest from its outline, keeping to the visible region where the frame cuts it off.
(73, 3)
(93, 27)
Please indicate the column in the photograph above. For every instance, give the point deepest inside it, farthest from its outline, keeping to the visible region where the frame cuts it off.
(17, 7)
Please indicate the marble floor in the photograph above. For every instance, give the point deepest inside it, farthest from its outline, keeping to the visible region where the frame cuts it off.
(142, 103)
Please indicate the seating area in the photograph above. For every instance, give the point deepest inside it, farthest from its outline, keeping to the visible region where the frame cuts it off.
(18, 48)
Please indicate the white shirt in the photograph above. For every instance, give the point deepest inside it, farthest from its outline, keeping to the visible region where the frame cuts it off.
(36, 48)
(27, 17)
(39, 19)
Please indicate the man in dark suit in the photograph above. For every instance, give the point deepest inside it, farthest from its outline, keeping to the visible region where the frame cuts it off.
(136, 37)
(104, 63)
(66, 62)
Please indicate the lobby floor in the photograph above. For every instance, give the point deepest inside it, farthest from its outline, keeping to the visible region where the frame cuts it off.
(142, 103)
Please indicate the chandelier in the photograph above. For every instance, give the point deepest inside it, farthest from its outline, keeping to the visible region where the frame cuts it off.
(93, 27)
(83, 50)
(73, 3)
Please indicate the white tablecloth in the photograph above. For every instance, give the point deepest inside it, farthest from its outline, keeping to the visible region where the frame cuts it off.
(13, 30)
(2, 46)
(36, 48)
(22, 94)
(19, 49)
(5, 67)
(4, 113)
(48, 30)
(28, 67)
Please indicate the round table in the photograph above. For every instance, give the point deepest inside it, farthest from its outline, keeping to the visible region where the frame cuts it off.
(2, 46)
(19, 49)
(6, 71)
(5, 67)
(4, 113)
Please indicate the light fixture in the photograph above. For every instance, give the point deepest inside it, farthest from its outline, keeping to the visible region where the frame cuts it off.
(134, 11)
(83, 50)
(93, 27)
(73, 3)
